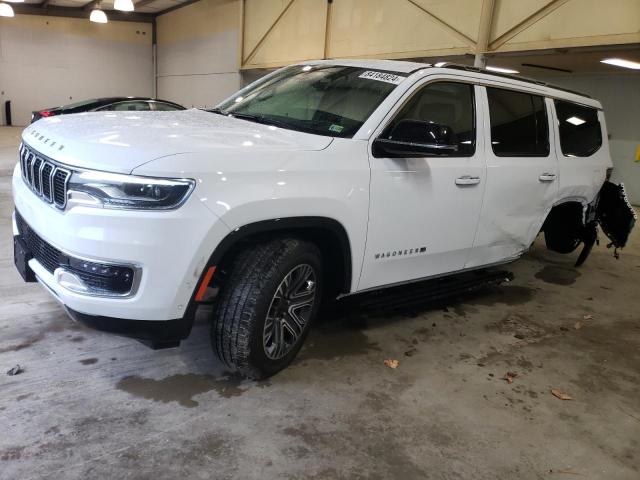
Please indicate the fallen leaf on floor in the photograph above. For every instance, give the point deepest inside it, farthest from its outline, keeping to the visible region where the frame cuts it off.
(509, 376)
(588, 317)
(578, 325)
(391, 363)
(561, 395)
(17, 370)
(410, 352)
(566, 472)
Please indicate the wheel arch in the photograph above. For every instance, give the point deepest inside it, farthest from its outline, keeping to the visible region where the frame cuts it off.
(564, 224)
(328, 233)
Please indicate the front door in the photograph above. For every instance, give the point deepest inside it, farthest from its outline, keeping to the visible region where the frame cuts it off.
(424, 210)
(522, 175)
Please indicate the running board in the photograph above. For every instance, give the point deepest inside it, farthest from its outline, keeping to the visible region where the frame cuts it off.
(429, 291)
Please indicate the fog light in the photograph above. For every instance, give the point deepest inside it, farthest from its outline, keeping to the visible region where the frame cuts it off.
(69, 281)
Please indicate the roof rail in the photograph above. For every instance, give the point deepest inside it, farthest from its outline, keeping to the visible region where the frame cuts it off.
(469, 68)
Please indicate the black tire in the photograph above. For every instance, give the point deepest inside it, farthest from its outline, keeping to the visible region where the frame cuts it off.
(238, 323)
(563, 229)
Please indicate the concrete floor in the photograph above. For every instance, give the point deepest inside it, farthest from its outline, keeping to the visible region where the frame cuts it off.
(91, 405)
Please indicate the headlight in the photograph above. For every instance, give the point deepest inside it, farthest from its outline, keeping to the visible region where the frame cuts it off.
(112, 190)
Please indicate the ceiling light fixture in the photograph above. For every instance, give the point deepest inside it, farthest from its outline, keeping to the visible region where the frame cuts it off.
(6, 10)
(14, 1)
(575, 121)
(123, 5)
(501, 70)
(619, 62)
(98, 16)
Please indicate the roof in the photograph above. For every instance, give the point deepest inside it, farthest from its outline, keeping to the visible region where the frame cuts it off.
(390, 65)
(400, 66)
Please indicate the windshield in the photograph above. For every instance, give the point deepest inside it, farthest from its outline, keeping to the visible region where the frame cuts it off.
(328, 100)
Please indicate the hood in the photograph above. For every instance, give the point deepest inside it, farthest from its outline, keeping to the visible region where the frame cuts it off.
(121, 141)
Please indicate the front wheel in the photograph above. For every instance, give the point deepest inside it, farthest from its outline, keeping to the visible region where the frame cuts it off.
(266, 306)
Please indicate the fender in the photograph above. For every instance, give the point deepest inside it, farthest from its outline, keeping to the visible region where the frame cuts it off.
(290, 224)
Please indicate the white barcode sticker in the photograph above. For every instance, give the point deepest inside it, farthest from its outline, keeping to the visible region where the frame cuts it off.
(382, 77)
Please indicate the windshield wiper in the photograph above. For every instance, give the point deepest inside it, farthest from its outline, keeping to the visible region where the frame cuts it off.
(261, 119)
(217, 110)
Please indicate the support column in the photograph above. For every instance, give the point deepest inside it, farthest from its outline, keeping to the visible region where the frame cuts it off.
(486, 20)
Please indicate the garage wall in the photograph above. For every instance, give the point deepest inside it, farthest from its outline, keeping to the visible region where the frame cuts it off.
(197, 51)
(620, 97)
(278, 32)
(50, 61)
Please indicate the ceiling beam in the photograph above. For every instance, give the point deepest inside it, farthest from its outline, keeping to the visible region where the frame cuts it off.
(438, 21)
(91, 5)
(79, 12)
(175, 7)
(526, 23)
(143, 3)
(266, 34)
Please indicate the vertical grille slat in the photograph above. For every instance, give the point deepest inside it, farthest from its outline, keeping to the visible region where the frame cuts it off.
(37, 163)
(44, 177)
(60, 187)
(30, 158)
(46, 182)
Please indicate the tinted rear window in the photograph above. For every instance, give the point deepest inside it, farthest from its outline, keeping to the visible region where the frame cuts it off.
(519, 125)
(580, 132)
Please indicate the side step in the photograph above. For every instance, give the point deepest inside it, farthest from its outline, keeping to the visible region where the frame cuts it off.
(430, 291)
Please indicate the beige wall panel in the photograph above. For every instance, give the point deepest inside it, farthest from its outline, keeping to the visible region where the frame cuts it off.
(508, 13)
(198, 53)
(298, 36)
(50, 61)
(201, 91)
(259, 15)
(582, 22)
(197, 20)
(201, 38)
(463, 15)
(362, 28)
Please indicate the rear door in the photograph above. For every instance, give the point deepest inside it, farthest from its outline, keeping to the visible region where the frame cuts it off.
(522, 175)
(424, 211)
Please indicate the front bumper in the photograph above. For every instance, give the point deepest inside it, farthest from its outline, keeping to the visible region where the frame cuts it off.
(170, 248)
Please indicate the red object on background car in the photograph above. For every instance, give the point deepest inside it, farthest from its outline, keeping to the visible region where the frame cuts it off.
(46, 113)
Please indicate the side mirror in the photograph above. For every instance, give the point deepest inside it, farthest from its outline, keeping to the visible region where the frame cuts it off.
(415, 138)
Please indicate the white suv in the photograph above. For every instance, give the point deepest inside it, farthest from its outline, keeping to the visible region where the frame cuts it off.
(319, 180)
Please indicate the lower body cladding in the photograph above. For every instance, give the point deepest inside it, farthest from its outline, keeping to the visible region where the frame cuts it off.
(125, 272)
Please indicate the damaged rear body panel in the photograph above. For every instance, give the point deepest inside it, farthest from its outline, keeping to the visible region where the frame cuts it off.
(615, 215)
(570, 224)
(586, 196)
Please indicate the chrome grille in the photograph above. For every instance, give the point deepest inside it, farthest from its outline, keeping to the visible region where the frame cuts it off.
(46, 178)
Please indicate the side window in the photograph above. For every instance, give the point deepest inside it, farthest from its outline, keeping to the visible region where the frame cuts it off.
(580, 132)
(129, 107)
(519, 126)
(165, 107)
(440, 113)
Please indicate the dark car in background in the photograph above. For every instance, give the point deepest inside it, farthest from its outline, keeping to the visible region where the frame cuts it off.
(123, 104)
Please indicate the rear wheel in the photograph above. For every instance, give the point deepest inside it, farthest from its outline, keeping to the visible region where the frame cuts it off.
(265, 307)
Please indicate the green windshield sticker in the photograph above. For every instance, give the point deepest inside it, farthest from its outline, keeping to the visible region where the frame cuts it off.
(336, 128)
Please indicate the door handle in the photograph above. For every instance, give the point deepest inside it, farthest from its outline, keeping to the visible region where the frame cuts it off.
(547, 177)
(467, 180)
